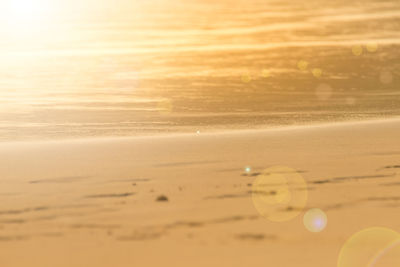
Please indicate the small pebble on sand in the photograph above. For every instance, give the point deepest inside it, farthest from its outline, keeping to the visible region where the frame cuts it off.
(162, 198)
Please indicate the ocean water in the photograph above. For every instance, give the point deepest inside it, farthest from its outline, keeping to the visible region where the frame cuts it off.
(121, 68)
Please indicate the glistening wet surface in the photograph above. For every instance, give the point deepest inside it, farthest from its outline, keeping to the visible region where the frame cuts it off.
(182, 66)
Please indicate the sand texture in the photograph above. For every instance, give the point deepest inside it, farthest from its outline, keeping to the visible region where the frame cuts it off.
(186, 200)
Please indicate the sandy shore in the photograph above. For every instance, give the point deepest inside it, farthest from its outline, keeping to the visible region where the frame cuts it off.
(94, 202)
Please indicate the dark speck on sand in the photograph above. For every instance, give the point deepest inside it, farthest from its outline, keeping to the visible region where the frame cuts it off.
(162, 198)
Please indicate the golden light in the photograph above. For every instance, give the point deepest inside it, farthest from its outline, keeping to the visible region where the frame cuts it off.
(302, 64)
(357, 50)
(315, 220)
(26, 16)
(372, 47)
(279, 193)
(246, 78)
(265, 73)
(371, 247)
(317, 72)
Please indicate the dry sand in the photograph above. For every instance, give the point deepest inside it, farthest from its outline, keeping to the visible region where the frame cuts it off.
(93, 202)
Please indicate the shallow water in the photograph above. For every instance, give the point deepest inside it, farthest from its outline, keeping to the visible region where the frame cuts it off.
(170, 66)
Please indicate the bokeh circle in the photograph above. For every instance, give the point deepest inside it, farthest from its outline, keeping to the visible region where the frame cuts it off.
(302, 64)
(371, 247)
(315, 220)
(279, 193)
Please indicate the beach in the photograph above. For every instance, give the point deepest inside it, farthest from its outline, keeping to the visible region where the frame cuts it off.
(133, 68)
(186, 199)
(199, 133)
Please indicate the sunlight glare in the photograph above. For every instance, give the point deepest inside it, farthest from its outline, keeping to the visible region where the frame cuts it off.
(25, 16)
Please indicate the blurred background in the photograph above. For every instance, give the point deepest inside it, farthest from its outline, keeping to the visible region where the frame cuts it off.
(118, 68)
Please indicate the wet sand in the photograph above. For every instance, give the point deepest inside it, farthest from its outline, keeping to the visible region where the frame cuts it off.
(185, 200)
(133, 68)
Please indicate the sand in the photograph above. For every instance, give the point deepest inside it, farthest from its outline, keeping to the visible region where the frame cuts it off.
(93, 202)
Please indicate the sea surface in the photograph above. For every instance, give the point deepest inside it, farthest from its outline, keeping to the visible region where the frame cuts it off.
(122, 68)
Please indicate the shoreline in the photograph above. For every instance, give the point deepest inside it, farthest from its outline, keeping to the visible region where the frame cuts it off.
(221, 131)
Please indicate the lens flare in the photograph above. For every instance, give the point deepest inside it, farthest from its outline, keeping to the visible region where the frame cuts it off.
(390, 256)
(372, 47)
(302, 65)
(265, 73)
(246, 78)
(317, 72)
(357, 50)
(279, 193)
(372, 247)
(315, 220)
